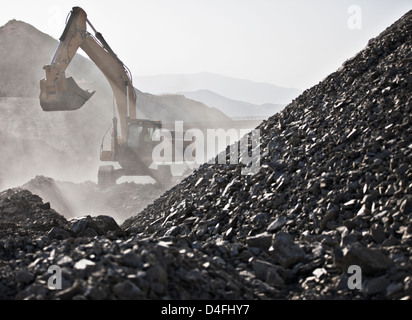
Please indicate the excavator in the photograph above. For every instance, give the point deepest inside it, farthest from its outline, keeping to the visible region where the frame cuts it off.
(133, 148)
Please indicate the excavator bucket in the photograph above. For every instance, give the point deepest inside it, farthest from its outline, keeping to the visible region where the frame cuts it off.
(64, 97)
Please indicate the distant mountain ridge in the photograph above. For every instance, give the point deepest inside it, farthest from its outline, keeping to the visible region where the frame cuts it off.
(233, 108)
(232, 88)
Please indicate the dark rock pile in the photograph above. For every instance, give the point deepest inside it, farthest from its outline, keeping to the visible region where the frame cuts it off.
(334, 190)
(98, 260)
(47, 188)
(70, 199)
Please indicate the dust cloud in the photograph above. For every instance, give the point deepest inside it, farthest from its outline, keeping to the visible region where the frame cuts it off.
(65, 146)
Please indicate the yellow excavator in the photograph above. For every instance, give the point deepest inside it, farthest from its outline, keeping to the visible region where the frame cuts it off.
(133, 148)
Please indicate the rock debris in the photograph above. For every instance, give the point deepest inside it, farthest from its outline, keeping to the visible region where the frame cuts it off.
(334, 190)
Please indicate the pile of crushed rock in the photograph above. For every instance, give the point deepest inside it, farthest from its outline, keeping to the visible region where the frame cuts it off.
(334, 190)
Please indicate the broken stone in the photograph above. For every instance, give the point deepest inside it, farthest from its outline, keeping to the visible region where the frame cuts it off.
(406, 206)
(277, 224)
(58, 233)
(269, 273)
(262, 240)
(24, 276)
(127, 290)
(378, 233)
(83, 264)
(376, 285)
(285, 251)
(370, 261)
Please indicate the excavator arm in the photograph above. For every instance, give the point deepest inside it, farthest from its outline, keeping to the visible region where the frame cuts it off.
(58, 93)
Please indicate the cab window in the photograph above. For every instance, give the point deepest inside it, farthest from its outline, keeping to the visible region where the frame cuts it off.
(135, 132)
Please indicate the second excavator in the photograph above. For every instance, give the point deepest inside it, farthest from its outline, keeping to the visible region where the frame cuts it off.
(132, 149)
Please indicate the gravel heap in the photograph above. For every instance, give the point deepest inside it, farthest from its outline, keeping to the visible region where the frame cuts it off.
(98, 260)
(49, 191)
(121, 201)
(334, 190)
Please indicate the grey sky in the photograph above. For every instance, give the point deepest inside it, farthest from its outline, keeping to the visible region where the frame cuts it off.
(292, 43)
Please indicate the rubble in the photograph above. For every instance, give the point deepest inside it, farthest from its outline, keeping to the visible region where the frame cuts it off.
(71, 199)
(334, 190)
(47, 188)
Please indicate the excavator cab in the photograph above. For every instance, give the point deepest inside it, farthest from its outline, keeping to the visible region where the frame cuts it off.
(134, 154)
(140, 135)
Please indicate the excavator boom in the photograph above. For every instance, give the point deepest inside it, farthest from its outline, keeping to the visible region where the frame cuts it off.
(58, 93)
(133, 148)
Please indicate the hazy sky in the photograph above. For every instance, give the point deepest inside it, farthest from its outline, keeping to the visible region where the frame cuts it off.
(294, 43)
